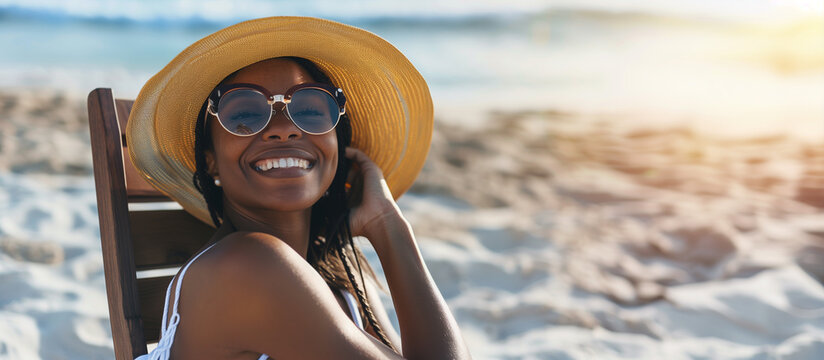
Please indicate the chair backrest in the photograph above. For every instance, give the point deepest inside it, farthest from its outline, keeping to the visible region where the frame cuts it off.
(136, 241)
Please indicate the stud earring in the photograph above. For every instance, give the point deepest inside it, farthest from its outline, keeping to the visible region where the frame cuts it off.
(217, 182)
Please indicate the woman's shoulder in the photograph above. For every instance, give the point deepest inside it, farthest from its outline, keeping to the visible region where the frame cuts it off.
(254, 269)
(244, 256)
(249, 243)
(253, 292)
(246, 285)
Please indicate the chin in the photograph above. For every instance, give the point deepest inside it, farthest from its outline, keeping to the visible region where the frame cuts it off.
(290, 201)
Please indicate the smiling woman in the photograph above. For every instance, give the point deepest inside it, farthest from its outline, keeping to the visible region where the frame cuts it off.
(239, 162)
(267, 160)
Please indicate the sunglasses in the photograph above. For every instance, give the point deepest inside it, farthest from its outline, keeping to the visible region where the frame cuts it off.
(246, 109)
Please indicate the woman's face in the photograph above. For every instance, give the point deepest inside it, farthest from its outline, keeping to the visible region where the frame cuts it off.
(236, 159)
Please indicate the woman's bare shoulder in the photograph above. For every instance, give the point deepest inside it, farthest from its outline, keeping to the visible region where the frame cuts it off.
(259, 295)
(245, 261)
(248, 279)
(254, 293)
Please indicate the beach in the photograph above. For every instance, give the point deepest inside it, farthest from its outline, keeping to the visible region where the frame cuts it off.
(550, 237)
(606, 180)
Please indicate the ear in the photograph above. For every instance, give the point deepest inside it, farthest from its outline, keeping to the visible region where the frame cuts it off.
(211, 164)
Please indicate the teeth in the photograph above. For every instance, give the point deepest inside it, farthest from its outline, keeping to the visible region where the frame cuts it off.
(265, 165)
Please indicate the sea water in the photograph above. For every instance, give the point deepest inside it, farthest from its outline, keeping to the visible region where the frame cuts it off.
(728, 67)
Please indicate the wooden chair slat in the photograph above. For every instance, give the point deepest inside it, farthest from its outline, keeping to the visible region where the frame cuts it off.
(136, 186)
(183, 235)
(118, 263)
(134, 240)
(123, 108)
(152, 293)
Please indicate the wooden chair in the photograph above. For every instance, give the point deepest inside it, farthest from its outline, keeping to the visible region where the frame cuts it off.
(134, 241)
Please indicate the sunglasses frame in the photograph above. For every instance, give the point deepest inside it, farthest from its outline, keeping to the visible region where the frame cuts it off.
(272, 99)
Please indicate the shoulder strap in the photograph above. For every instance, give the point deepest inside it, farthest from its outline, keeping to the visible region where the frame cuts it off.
(180, 281)
(166, 308)
(179, 276)
(353, 307)
(167, 331)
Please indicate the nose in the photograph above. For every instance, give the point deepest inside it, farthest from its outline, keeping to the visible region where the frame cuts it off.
(280, 127)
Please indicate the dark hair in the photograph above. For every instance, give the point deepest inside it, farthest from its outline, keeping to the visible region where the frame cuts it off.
(330, 247)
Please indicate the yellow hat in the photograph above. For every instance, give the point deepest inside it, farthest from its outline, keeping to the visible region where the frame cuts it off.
(387, 100)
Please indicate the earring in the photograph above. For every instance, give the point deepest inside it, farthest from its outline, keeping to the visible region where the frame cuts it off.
(217, 182)
(326, 193)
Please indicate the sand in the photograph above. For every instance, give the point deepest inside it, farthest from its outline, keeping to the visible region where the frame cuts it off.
(550, 236)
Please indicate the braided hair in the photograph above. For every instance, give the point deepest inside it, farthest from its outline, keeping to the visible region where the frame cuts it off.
(331, 248)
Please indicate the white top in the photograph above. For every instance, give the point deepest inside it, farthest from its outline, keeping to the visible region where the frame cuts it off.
(167, 331)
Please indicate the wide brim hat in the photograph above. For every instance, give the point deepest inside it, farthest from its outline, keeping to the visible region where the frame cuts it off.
(387, 100)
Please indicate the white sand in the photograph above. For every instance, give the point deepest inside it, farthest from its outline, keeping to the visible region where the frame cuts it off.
(548, 239)
(52, 292)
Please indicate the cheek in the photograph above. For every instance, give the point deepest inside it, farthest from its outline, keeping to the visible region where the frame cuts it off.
(227, 148)
(330, 149)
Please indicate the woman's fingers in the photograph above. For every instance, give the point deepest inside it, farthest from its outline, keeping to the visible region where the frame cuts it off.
(370, 195)
(360, 157)
(372, 173)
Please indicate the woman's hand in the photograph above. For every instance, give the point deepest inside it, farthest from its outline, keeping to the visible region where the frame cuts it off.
(428, 329)
(372, 203)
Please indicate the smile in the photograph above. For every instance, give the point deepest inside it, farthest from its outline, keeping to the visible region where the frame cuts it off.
(282, 163)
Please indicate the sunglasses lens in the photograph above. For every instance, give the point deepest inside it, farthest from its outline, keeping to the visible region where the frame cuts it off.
(244, 111)
(313, 111)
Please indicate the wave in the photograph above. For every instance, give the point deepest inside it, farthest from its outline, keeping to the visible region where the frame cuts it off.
(197, 13)
(213, 13)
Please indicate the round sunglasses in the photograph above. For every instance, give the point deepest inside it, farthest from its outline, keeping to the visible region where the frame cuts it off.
(246, 109)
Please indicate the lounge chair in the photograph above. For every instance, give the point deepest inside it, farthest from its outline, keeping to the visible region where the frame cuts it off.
(142, 249)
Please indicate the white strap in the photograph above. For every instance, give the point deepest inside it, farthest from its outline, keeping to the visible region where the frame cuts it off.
(353, 308)
(180, 282)
(167, 331)
(166, 308)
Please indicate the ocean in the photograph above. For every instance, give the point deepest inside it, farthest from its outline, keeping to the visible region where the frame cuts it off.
(729, 68)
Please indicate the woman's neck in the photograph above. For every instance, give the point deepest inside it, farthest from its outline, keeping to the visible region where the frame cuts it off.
(292, 227)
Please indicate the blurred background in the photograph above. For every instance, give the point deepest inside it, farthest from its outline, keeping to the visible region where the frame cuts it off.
(608, 179)
(721, 66)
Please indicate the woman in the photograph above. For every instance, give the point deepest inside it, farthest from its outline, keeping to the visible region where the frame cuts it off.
(278, 101)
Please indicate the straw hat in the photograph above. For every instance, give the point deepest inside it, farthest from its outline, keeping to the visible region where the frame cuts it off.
(388, 101)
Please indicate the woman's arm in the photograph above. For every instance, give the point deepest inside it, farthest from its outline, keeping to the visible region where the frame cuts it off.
(428, 329)
(374, 298)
